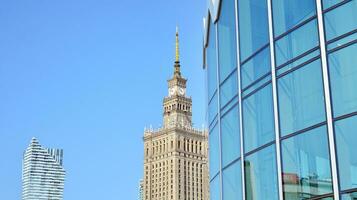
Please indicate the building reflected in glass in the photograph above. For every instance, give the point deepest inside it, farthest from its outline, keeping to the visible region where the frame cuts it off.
(282, 99)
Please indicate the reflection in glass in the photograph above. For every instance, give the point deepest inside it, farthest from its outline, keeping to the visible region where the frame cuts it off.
(301, 98)
(229, 89)
(230, 136)
(227, 39)
(288, 14)
(256, 67)
(346, 144)
(328, 3)
(258, 121)
(351, 196)
(211, 61)
(253, 26)
(215, 189)
(343, 75)
(214, 158)
(306, 165)
(232, 182)
(260, 175)
(213, 108)
(297, 42)
(334, 18)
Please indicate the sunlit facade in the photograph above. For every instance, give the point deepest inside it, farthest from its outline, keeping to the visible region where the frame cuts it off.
(282, 99)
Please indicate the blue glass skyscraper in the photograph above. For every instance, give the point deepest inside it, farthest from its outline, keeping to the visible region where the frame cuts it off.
(282, 99)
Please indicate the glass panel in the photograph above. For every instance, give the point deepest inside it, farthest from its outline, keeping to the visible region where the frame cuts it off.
(230, 136)
(288, 14)
(328, 3)
(346, 142)
(229, 89)
(306, 165)
(297, 42)
(214, 159)
(211, 61)
(258, 119)
(301, 98)
(260, 175)
(307, 58)
(232, 182)
(227, 39)
(351, 196)
(256, 67)
(215, 189)
(343, 75)
(212, 108)
(253, 26)
(346, 14)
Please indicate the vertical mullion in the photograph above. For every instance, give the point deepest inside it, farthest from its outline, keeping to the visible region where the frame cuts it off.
(275, 100)
(328, 107)
(240, 103)
(219, 116)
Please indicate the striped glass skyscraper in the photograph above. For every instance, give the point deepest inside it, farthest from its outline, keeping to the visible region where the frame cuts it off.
(282, 99)
(42, 173)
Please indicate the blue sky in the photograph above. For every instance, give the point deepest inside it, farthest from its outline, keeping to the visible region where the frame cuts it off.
(88, 76)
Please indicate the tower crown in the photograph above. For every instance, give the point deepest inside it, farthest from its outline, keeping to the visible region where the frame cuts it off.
(177, 71)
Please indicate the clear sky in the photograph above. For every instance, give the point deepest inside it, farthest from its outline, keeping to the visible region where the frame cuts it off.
(88, 76)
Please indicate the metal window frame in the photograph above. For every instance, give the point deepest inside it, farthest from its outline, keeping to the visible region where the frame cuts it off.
(328, 103)
(240, 103)
(275, 100)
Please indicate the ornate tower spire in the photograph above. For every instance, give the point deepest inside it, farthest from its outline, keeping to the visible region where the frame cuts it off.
(177, 56)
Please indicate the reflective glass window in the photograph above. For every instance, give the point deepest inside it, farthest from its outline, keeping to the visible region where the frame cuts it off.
(296, 43)
(256, 67)
(230, 136)
(258, 119)
(328, 3)
(227, 39)
(215, 189)
(261, 175)
(350, 196)
(229, 89)
(212, 108)
(346, 142)
(211, 61)
(214, 151)
(253, 26)
(301, 98)
(306, 165)
(343, 76)
(334, 18)
(288, 14)
(232, 182)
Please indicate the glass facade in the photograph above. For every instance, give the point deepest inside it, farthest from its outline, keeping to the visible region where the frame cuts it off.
(282, 99)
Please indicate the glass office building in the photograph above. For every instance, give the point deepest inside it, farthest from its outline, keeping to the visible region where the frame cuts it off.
(282, 99)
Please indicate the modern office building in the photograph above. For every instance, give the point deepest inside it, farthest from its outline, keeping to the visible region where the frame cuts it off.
(175, 155)
(42, 173)
(282, 99)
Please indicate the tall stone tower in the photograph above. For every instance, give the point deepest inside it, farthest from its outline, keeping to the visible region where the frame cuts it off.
(175, 155)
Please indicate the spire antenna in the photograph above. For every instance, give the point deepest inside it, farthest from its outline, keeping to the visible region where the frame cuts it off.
(177, 46)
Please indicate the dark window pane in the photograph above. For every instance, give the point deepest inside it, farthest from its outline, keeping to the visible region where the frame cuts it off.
(260, 175)
(227, 39)
(346, 142)
(258, 119)
(301, 98)
(253, 26)
(306, 165)
(230, 136)
(288, 14)
(343, 75)
(232, 182)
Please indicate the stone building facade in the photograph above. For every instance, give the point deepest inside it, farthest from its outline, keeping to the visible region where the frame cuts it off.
(175, 155)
